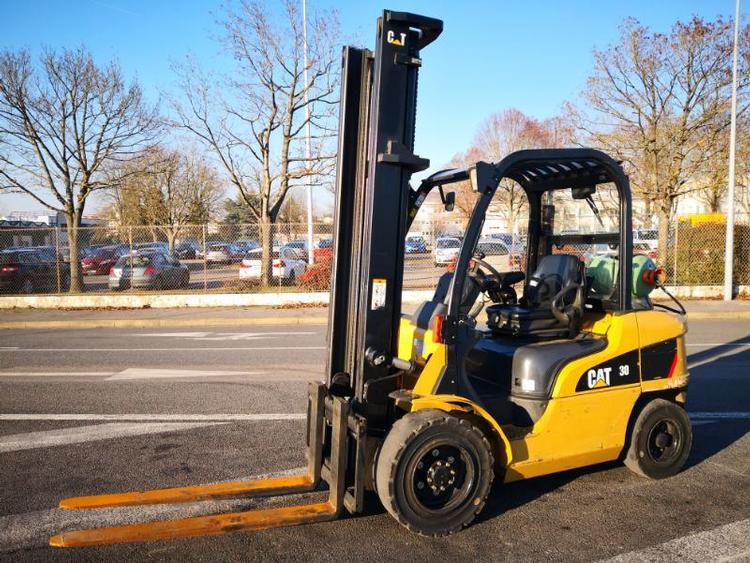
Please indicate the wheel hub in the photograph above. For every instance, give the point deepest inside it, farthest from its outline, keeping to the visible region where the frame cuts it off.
(441, 475)
(663, 440)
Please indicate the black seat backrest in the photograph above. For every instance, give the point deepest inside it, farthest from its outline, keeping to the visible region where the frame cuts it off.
(424, 313)
(553, 273)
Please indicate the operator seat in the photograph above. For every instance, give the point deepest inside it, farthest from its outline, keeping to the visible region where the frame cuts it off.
(552, 304)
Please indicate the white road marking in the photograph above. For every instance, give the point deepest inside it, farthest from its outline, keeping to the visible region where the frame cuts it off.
(723, 415)
(725, 543)
(225, 336)
(8, 348)
(158, 373)
(293, 374)
(158, 417)
(718, 344)
(170, 349)
(81, 434)
(55, 373)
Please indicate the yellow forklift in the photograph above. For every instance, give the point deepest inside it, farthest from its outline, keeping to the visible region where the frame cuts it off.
(426, 410)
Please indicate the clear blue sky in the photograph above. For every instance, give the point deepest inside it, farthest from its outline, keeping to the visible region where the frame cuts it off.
(492, 55)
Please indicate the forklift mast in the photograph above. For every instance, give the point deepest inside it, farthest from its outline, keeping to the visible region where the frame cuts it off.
(373, 198)
(373, 208)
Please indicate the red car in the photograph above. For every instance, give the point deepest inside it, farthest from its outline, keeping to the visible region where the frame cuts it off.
(324, 249)
(102, 260)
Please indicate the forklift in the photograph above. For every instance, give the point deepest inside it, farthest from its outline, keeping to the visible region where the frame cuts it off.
(426, 410)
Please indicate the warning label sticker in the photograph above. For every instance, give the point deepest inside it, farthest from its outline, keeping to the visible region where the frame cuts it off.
(379, 286)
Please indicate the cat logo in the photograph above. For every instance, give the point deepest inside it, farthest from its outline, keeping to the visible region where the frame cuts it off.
(598, 377)
(399, 41)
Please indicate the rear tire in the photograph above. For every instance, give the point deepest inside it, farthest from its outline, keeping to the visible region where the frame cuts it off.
(434, 472)
(27, 287)
(660, 441)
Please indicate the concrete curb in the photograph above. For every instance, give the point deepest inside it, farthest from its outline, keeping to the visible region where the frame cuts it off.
(164, 323)
(250, 321)
(179, 300)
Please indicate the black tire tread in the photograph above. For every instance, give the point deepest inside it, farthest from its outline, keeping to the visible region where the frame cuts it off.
(631, 459)
(402, 432)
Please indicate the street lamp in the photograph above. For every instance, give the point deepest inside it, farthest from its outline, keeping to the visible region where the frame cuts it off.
(729, 249)
(308, 150)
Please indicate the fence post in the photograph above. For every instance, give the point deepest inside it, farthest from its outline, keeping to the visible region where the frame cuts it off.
(676, 242)
(57, 257)
(205, 263)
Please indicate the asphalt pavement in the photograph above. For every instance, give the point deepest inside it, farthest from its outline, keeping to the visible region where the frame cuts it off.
(105, 410)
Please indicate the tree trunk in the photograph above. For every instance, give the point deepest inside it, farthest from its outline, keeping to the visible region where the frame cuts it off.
(266, 242)
(665, 215)
(76, 278)
(171, 236)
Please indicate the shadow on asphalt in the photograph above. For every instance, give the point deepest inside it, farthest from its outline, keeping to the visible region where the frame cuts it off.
(708, 393)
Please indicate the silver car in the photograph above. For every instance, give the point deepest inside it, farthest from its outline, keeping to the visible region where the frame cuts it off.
(149, 270)
(223, 253)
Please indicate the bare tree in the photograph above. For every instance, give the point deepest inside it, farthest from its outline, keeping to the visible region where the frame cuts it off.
(62, 124)
(255, 127)
(499, 135)
(166, 191)
(661, 104)
(508, 131)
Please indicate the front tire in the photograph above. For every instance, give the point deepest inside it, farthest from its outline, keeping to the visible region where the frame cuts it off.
(434, 472)
(660, 441)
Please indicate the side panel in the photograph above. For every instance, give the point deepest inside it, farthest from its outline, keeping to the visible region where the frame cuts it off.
(574, 432)
(663, 357)
(586, 419)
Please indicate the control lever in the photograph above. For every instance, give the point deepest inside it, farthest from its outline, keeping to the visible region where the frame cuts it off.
(376, 358)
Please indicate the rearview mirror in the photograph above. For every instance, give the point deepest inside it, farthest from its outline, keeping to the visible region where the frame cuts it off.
(449, 201)
(583, 192)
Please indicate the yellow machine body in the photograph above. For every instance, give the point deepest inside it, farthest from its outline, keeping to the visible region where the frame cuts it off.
(577, 428)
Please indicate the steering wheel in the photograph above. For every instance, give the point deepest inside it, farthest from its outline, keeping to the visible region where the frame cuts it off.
(494, 284)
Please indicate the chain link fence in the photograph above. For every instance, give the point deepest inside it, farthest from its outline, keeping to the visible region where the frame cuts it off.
(229, 258)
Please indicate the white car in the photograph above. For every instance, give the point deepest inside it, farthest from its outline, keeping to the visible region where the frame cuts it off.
(446, 250)
(286, 266)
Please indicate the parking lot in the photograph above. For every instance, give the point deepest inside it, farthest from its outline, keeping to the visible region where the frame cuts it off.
(94, 411)
(420, 272)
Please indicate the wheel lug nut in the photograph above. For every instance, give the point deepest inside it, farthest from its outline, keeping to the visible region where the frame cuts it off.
(451, 459)
(420, 485)
(435, 453)
(420, 465)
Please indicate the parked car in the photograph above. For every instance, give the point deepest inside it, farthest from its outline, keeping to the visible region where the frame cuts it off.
(153, 246)
(300, 247)
(323, 250)
(645, 248)
(498, 255)
(647, 236)
(446, 250)
(102, 260)
(187, 250)
(246, 245)
(287, 265)
(149, 270)
(27, 271)
(415, 245)
(223, 253)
